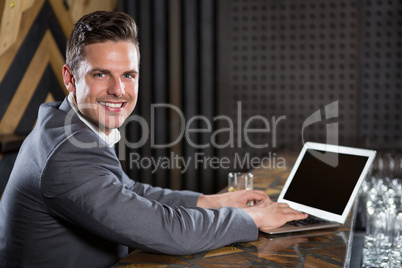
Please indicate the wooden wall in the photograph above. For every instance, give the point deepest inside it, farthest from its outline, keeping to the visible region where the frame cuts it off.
(33, 37)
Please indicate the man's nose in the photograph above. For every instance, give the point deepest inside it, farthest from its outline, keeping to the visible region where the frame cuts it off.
(116, 88)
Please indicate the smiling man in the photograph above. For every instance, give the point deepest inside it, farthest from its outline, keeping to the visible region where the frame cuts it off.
(108, 85)
(68, 205)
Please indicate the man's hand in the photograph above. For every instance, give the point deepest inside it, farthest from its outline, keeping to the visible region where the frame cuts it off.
(266, 213)
(269, 215)
(236, 199)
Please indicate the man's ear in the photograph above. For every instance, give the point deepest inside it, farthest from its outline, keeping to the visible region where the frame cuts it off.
(68, 78)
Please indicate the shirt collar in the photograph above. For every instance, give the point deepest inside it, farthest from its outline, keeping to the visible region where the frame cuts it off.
(110, 139)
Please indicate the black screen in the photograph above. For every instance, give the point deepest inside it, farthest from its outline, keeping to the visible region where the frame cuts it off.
(319, 185)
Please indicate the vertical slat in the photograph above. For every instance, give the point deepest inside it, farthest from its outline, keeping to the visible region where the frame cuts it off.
(131, 130)
(145, 88)
(224, 74)
(160, 89)
(175, 89)
(190, 82)
(130, 7)
(207, 87)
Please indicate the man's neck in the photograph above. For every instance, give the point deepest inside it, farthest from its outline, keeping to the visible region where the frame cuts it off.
(111, 137)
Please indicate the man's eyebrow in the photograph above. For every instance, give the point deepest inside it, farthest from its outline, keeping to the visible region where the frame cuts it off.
(95, 70)
(101, 70)
(133, 71)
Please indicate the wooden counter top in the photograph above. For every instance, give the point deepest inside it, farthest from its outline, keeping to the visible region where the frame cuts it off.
(320, 248)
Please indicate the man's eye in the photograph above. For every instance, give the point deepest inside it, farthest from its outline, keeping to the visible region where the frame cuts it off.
(129, 76)
(99, 75)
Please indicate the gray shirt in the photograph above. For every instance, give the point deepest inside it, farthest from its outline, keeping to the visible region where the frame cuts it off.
(69, 206)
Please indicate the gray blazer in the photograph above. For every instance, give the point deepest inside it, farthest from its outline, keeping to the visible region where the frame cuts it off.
(66, 206)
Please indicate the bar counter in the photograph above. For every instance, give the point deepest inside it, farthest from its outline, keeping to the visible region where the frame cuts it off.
(319, 248)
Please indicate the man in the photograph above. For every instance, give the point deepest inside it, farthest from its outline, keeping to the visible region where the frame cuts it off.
(68, 201)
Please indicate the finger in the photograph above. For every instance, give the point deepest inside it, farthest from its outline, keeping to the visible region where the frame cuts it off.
(257, 192)
(266, 203)
(258, 195)
(290, 210)
(294, 215)
(283, 205)
(261, 192)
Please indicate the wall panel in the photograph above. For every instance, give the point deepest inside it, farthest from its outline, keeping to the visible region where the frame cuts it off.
(381, 72)
(177, 40)
(31, 62)
(325, 71)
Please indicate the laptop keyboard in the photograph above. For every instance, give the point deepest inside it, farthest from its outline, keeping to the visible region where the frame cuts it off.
(310, 220)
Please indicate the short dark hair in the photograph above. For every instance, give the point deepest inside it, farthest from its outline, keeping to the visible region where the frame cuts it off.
(99, 27)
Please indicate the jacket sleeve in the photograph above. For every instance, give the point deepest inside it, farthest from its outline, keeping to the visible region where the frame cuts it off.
(162, 195)
(84, 187)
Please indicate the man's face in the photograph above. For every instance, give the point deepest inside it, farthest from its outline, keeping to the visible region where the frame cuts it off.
(107, 86)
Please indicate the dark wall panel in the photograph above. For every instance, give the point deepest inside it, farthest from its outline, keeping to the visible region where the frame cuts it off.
(289, 71)
(177, 42)
(381, 72)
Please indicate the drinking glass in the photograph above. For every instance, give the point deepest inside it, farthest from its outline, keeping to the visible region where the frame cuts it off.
(382, 195)
(395, 255)
(240, 181)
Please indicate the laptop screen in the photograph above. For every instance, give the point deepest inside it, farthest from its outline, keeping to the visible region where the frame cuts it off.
(322, 186)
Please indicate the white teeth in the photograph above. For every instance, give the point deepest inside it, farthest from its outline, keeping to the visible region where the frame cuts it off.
(112, 105)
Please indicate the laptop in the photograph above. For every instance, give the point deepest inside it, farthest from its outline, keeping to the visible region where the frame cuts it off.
(324, 183)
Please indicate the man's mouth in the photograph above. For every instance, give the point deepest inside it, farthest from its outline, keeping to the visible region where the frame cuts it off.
(113, 106)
